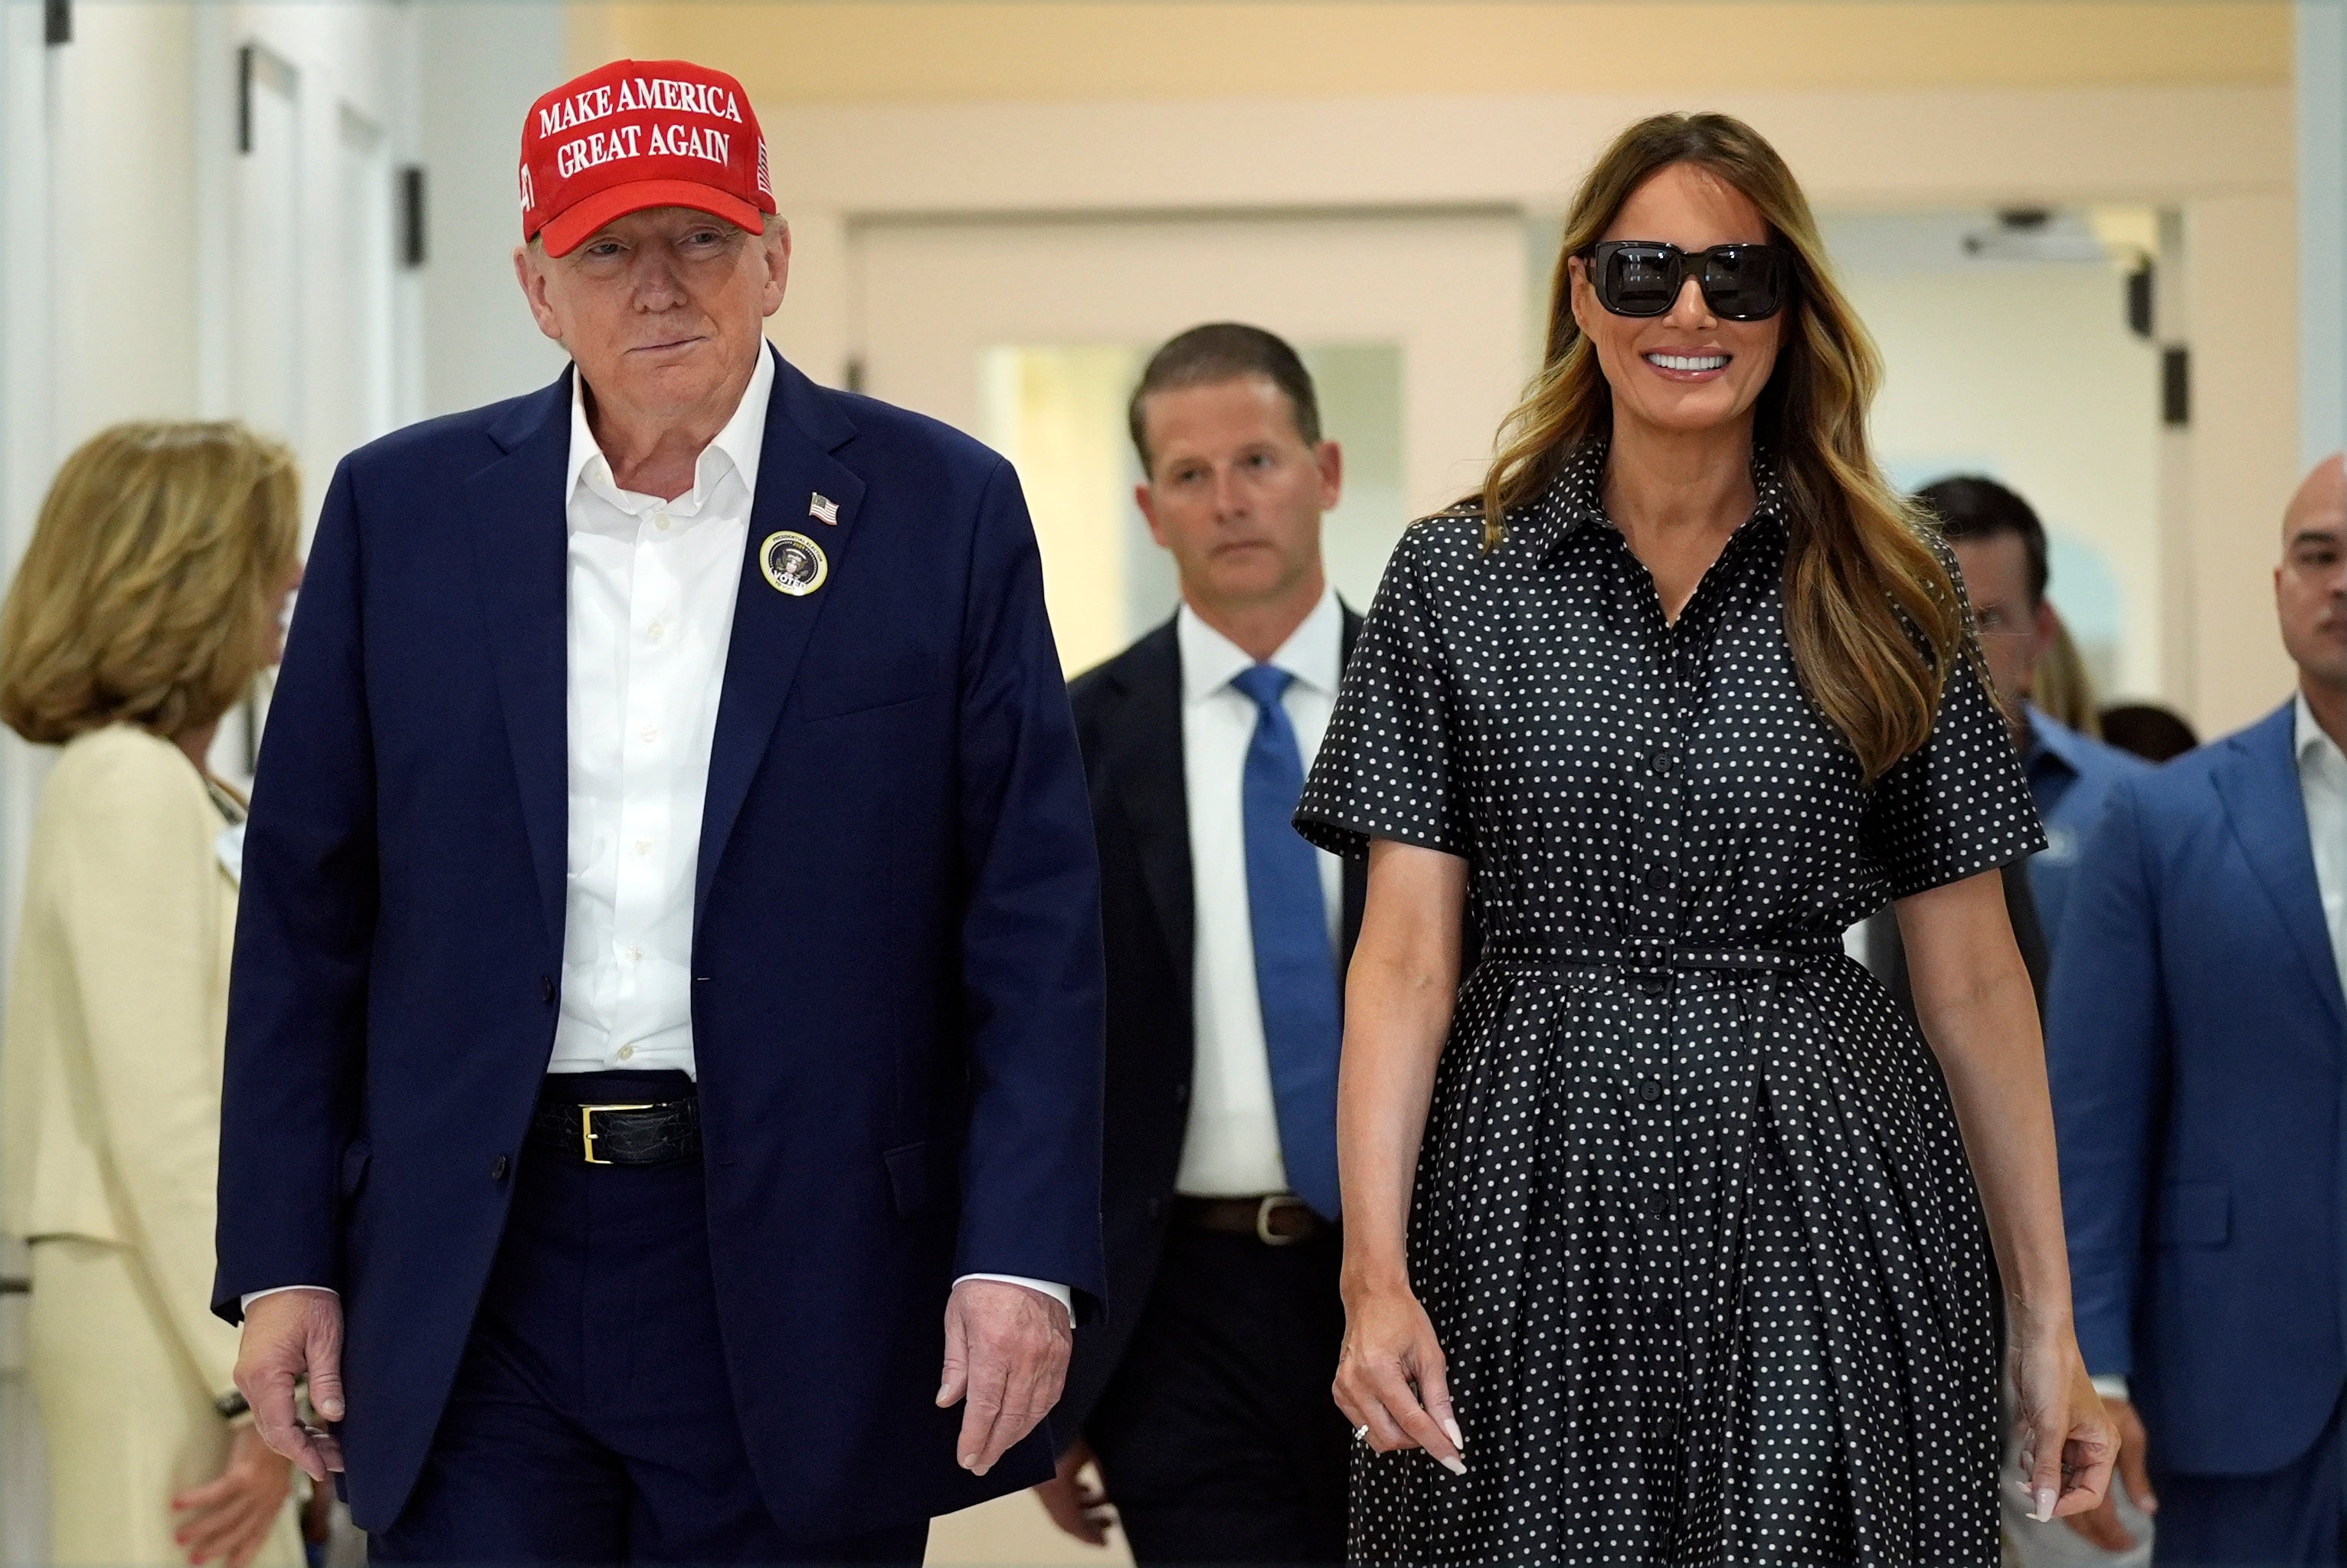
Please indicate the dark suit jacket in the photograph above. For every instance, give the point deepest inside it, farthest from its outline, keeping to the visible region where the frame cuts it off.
(897, 965)
(1129, 721)
(2198, 1055)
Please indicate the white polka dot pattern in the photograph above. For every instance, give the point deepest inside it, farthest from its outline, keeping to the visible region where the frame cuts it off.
(1697, 1232)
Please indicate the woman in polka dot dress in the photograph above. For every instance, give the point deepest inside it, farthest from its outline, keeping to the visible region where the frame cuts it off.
(1694, 1268)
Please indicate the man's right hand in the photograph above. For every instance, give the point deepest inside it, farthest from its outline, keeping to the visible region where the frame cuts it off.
(290, 1335)
(1078, 1507)
(2101, 1525)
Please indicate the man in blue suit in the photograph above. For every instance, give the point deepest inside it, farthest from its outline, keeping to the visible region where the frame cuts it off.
(2198, 1047)
(665, 1054)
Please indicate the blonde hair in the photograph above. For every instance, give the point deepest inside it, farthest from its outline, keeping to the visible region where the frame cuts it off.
(149, 593)
(1869, 609)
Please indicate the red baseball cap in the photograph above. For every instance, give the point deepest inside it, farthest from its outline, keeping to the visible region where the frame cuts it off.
(636, 134)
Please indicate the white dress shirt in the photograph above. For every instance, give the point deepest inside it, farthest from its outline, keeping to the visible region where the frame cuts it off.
(1232, 1146)
(2323, 786)
(652, 589)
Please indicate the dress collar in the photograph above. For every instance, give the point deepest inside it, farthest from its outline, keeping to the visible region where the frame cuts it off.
(1577, 496)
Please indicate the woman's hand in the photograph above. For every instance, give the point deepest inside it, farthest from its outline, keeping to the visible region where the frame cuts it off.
(229, 1520)
(1390, 1379)
(2067, 1441)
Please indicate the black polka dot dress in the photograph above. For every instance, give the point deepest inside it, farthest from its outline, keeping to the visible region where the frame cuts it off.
(1692, 1216)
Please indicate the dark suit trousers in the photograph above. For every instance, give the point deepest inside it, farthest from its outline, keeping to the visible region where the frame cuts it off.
(591, 1420)
(1218, 1440)
(2297, 1514)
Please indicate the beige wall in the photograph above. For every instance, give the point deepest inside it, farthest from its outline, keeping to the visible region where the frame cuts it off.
(1096, 50)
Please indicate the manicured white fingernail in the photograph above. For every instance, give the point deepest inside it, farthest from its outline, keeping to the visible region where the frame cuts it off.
(1455, 1465)
(2045, 1513)
(1450, 1429)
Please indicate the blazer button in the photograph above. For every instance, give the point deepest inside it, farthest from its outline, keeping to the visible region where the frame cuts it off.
(1181, 1095)
(546, 989)
(498, 1167)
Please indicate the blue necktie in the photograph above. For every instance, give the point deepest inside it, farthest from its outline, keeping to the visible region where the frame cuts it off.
(1294, 970)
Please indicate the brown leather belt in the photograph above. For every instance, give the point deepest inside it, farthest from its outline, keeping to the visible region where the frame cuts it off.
(1275, 1219)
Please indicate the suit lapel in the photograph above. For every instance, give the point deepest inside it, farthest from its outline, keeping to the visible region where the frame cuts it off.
(2259, 784)
(770, 628)
(521, 547)
(1153, 790)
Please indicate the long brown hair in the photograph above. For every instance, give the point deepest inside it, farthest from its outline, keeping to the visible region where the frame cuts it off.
(148, 594)
(1874, 619)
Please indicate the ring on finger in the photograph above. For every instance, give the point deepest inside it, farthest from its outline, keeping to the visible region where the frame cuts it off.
(1361, 1433)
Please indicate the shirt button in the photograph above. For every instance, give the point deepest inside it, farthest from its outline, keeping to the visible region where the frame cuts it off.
(649, 733)
(653, 632)
(660, 522)
(627, 1053)
(631, 954)
(643, 846)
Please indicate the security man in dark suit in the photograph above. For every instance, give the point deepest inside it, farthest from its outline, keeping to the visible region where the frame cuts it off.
(1205, 1398)
(664, 1053)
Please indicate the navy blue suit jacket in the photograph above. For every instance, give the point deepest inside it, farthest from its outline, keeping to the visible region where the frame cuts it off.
(896, 960)
(2198, 1047)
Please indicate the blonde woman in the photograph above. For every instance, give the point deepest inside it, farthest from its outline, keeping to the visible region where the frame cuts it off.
(1692, 1268)
(149, 599)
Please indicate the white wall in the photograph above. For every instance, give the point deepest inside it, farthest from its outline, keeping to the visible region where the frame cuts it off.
(480, 66)
(2322, 226)
(2028, 373)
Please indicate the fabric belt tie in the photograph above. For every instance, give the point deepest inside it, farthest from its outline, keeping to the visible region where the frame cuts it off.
(1657, 963)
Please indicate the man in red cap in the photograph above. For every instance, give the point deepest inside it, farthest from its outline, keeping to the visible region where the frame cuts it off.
(661, 1112)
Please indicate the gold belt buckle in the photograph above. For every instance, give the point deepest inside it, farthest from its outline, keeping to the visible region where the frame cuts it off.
(1268, 1205)
(586, 1128)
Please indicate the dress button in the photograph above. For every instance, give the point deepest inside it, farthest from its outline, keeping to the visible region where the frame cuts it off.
(1658, 877)
(1666, 761)
(498, 1167)
(1650, 1089)
(1655, 982)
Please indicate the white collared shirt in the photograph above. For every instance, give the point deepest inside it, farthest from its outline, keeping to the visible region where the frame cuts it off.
(652, 583)
(1232, 1146)
(2322, 784)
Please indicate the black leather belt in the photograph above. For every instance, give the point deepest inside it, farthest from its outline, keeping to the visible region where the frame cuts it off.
(625, 1135)
(1275, 1219)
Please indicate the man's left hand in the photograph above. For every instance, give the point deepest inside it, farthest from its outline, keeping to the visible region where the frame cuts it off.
(1007, 1355)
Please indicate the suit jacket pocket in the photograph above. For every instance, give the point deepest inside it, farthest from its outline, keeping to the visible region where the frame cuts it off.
(923, 1176)
(2196, 1214)
(833, 695)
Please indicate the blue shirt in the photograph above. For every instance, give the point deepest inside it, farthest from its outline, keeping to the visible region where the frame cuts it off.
(2070, 775)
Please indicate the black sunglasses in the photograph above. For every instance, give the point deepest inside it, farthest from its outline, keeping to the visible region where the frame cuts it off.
(1643, 277)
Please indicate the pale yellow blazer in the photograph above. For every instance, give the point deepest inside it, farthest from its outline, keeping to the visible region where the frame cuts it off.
(116, 1018)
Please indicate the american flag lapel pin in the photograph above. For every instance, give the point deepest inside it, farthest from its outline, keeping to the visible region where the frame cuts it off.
(823, 508)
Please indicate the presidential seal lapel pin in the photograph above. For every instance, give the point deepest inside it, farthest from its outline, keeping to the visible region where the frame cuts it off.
(823, 508)
(793, 563)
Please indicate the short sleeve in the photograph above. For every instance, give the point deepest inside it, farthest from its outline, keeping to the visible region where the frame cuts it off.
(1959, 803)
(1387, 765)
